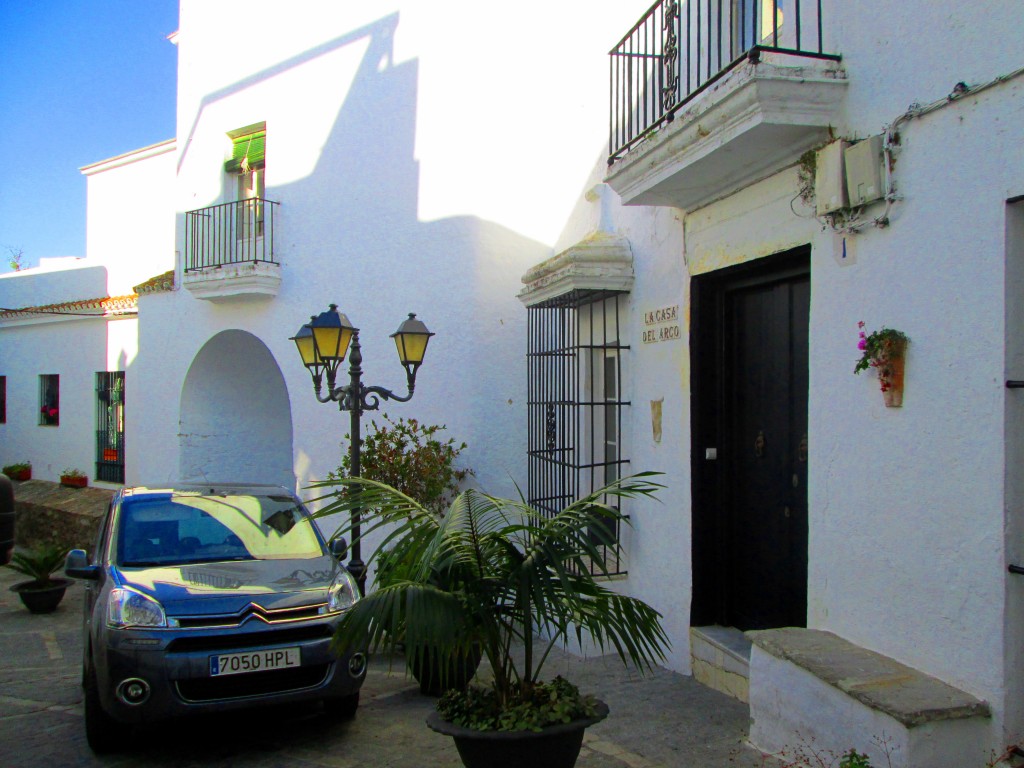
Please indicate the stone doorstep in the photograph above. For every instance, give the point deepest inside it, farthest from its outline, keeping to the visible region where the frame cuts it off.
(720, 658)
(909, 696)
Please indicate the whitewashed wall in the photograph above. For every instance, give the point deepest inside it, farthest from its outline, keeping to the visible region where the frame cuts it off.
(130, 216)
(52, 282)
(914, 512)
(396, 141)
(75, 349)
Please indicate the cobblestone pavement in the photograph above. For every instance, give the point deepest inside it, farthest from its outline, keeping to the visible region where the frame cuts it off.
(662, 720)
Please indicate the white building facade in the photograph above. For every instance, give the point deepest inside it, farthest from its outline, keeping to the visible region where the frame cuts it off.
(691, 308)
(69, 327)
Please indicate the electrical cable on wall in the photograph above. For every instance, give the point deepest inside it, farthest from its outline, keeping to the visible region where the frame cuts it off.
(849, 221)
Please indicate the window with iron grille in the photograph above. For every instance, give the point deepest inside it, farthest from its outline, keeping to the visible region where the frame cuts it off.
(575, 358)
(3, 399)
(110, 426)
(49, 400)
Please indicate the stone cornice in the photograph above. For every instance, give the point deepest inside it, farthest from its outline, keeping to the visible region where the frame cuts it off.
(602, 261)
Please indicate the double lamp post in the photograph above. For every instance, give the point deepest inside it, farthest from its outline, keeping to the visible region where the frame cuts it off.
(323, 343)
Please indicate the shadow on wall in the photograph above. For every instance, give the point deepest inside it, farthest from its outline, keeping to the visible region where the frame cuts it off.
(236, 425)
(349, 233)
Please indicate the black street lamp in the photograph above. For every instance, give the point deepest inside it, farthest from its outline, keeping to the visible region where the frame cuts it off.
(323, 343)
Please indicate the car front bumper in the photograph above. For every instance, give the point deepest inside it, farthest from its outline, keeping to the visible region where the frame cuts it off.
(174, 667)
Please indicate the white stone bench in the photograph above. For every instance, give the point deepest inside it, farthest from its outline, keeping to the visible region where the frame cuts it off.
(810, 687)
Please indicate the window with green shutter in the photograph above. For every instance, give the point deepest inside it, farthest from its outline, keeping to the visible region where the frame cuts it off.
(247, 152)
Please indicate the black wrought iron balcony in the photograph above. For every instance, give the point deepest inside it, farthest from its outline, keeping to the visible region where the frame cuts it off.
(239, 232)
(682, 47)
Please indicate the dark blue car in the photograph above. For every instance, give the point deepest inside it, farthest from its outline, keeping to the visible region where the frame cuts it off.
(210, 598)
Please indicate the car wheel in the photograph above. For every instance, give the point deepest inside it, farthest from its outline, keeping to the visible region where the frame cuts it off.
(101, 730)
(344, 707)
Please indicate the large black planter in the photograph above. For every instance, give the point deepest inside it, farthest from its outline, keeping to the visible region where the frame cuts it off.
(426, 668)
(557, 746)
(41, 599)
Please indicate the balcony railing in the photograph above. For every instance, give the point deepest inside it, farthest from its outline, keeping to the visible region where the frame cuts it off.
(682, 47)
(230, 233)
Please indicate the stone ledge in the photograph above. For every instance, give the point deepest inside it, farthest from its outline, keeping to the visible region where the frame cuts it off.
(50, 513)
(910, 697)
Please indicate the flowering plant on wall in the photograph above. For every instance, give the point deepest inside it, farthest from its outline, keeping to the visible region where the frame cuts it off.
(50, 414)
(884, 350)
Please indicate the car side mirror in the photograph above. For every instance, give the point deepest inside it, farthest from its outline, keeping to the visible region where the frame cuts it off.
(339, 548)
(77, 566)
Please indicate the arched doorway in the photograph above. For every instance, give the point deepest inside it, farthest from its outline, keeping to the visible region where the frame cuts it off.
(235, 421)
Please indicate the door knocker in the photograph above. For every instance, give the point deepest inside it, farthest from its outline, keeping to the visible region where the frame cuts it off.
(759, 444)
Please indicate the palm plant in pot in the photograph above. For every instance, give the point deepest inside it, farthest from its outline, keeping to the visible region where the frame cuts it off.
(41, 593)
(510, 574)
(416, 459)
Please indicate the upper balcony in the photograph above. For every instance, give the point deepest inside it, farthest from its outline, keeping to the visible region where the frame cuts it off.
(709, 96)
(229, 251)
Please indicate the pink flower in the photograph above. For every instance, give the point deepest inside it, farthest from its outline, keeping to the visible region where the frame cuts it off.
(862, 344)
(52, 413)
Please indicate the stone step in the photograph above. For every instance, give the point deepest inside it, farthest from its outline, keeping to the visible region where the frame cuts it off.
(811, 686)
(720, 659)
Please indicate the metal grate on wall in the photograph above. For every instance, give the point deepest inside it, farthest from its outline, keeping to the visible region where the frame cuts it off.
(575, 402)
(110, 426)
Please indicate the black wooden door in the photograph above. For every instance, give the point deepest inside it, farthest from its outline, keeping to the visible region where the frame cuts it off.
(750, 502)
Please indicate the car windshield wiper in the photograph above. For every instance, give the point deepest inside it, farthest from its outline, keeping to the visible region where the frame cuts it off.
(220, 559)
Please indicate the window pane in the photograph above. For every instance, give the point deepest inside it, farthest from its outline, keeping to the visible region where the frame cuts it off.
(49, 400)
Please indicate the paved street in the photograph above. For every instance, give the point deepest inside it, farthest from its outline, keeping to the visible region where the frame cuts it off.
(664, 720)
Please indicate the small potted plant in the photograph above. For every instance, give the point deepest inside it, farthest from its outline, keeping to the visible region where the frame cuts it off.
(73, 478)
(41, 593)
(885, 350)
(510, 573)
(19, 471)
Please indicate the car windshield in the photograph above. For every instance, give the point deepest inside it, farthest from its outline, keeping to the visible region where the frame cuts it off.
(178, 529)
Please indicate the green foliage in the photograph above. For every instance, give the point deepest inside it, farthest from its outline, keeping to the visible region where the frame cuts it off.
(878, 347)
(854, 759)
(17, 467)
(411, 457)
(808, 755)
(39, 564)
(529, 709)
(72, 472)
(496, 572)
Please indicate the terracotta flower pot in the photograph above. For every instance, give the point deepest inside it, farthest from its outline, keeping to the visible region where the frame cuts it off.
(74, 482)
(891, 372)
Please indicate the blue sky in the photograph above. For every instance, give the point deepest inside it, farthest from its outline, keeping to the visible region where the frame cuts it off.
(80, 81)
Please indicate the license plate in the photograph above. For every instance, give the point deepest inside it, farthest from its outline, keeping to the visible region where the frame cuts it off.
(253, 661)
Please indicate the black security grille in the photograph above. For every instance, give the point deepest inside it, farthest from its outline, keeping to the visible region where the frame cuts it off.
(110, 426)
(682, 47)
(575, 403)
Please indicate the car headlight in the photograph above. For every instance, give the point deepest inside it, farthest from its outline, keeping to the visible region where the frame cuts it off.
(343, 593)
(128, 608)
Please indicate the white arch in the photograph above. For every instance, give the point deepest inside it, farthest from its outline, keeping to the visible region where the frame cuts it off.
(235, 422)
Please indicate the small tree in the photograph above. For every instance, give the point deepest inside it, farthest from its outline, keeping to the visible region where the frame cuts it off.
(411, 457)
(14, 257)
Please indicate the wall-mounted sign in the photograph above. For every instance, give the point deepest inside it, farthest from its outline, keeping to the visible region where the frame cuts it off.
(661, 324)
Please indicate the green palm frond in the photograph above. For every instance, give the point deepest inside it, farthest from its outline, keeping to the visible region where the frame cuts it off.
(496, 571)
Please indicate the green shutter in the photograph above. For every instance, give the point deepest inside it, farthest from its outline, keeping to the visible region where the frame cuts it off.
(251, 148)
